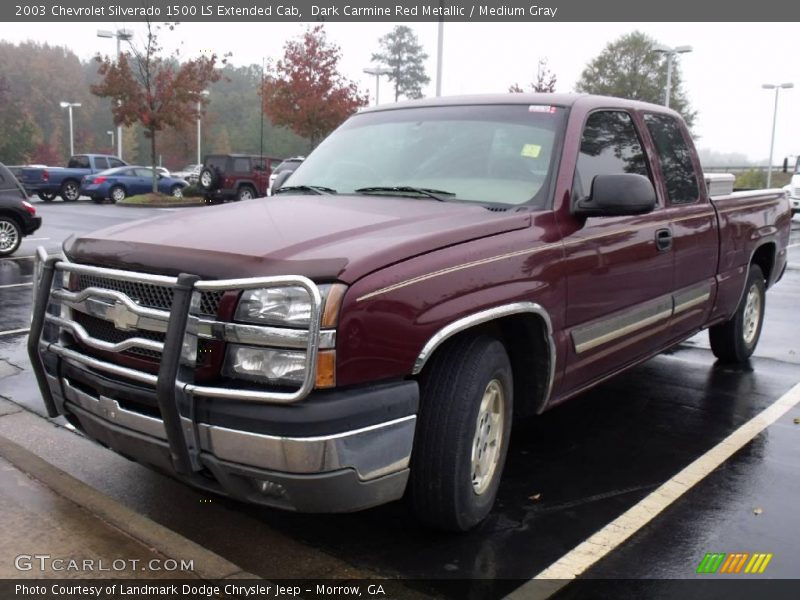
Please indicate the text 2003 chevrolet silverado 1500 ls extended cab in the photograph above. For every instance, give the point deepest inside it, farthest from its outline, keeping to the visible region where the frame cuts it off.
(429, 271)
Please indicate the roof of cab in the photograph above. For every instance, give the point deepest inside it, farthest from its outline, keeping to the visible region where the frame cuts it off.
(585, 101)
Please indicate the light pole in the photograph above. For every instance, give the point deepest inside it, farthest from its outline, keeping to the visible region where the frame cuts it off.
(110, 132)
(377, 71)
(777, 87)
(120, 34)
(199, 115)
(670, 52)
(70, 106)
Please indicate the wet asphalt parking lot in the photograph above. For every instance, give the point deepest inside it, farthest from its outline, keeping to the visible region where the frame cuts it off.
(569, 474)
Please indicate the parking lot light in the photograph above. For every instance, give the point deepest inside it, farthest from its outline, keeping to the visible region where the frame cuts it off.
(70, 106)
(670, 53)
(377, 71)
(777, 87)
(120, 34)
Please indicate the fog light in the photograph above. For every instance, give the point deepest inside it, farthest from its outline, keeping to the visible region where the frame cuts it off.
(270, 488)
(265, 364)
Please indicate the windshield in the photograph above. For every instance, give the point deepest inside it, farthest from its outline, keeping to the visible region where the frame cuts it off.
(491, 154)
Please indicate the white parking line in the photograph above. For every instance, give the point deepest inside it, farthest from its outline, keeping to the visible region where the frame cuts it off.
(18, 257)
(790, 246)
(15, 285)
(34, 239)
(584, 555)
(14, 331)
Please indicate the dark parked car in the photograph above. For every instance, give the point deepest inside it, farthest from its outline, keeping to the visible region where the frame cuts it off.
(235, 176)
(122, 182)
(17, 215)
(288, 166)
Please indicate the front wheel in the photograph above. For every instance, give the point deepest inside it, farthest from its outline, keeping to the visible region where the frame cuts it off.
(10, 236)
(735, 340)
(462, 433)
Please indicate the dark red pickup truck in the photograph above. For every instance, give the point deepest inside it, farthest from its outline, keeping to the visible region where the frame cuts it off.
(430, 271)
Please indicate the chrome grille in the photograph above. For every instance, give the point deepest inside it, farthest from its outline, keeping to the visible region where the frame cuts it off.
(148, 294)
(105, 330)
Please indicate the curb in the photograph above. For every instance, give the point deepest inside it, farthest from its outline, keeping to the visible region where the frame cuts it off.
(162, 204)
(208, 565)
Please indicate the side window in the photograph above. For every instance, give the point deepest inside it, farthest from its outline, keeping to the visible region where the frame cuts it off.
(100, 163)
(609, 146)
(144, 173)
(241, 165)
(79, 162)
(675, 157)
(115, 162)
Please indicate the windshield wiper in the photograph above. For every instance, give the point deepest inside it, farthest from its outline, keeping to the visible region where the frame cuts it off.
(317, 189)
(405, 189)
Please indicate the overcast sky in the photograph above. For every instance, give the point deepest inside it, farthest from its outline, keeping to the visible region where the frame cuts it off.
(722, 76)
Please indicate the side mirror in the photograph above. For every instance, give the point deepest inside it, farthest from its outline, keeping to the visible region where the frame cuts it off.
(618, 195)
(280, 179)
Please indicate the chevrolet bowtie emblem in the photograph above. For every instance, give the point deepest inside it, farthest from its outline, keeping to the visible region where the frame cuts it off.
(123, 318)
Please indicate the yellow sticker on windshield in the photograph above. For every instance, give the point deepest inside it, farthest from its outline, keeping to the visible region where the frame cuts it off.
(531, 150)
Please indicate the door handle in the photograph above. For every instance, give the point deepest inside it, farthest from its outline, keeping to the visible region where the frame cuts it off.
(663, 240)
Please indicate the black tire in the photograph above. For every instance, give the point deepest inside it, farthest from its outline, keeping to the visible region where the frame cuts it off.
(70, 191)
(176, 191)
(735, 340)
(446, 491)
(208, 179)
(10, 236)
(245, 192)
(46, 196)
(117, 194)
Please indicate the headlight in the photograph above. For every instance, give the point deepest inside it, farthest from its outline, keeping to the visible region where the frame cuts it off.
(265, 364)
(275, 306)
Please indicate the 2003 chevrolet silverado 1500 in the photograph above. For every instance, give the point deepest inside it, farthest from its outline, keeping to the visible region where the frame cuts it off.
(431, 270)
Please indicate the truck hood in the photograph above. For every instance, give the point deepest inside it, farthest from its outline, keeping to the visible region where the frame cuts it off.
(325, 238)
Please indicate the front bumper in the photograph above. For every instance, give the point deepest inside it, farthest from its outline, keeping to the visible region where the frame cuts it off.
(337, 450)
(342, 471)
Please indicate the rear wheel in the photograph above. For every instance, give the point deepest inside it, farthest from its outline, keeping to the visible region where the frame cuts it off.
(117, 193)
(736, 339)
(10, 236)
(46, 196)
(245, 193)
(70, 191)
(462, 433)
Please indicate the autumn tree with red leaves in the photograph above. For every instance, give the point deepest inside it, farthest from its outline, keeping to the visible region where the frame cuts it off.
(158, 93)
(305, 91)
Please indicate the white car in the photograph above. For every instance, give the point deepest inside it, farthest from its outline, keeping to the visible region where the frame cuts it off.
(190, 173)
(290, 164)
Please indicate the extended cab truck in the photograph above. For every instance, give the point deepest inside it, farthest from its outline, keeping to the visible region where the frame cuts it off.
(433, 269)
(49, 182)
